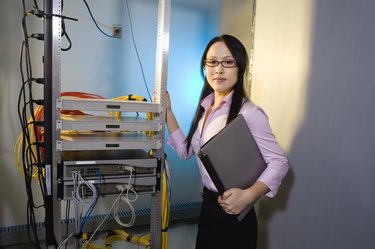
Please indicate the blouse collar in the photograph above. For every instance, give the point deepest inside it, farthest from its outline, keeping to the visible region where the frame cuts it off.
(209, 100)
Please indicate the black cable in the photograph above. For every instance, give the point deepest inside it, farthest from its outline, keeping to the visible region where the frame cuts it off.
(93, 19)
(136, 50)
(29, 80)
(31, 158)
(64, 33)
(36, 5)
(28, 181)
(40, 13)
(25, 135)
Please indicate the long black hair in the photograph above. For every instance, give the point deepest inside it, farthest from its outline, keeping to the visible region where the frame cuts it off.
(239, 53)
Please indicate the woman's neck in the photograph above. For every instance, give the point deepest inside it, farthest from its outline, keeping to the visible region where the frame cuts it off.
(219, 97)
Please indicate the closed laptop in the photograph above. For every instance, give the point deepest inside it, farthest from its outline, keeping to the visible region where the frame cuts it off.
(232, 158)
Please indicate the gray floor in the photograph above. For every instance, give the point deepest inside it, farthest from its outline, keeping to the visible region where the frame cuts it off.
(180, 236)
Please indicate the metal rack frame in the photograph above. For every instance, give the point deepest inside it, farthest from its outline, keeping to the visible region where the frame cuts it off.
(52, 90)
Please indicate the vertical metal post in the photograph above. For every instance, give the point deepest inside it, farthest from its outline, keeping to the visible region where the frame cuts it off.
(52, 86)
(160, 88)
(50, 236)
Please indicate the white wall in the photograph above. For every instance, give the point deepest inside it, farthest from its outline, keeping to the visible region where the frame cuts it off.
(107, 67)
(237, 20)
(313, 74)
(313, 64)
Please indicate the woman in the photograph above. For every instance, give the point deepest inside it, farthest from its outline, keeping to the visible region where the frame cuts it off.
(223, 66)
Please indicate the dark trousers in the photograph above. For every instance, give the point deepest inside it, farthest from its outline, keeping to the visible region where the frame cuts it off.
(219, 230)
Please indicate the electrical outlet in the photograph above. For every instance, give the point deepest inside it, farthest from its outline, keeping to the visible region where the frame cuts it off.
(116, 31)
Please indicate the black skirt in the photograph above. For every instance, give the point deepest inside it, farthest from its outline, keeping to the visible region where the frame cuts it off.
(219, 230)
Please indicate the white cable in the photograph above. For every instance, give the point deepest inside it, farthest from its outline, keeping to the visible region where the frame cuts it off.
(118, 197)
(77, 204)
(128, 187)
(65, 241)
(79, 198)
(127, 201)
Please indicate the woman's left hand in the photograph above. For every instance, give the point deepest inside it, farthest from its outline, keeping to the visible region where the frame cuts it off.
(234, 200)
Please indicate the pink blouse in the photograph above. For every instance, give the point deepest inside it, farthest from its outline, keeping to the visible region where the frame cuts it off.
(257, 120)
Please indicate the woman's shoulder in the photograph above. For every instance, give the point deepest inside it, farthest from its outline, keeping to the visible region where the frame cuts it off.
(248, 107)
(254, 115)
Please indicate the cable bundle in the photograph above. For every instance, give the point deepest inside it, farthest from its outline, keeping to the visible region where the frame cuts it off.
(149, 115)
(80, 185)
(29, 146)
(166, 204)
(166, 195)
(123, 235)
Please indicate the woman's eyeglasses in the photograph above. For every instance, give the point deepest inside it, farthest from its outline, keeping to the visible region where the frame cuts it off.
(225, 63)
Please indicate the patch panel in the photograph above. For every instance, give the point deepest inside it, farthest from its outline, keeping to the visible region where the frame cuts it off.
(109, 186)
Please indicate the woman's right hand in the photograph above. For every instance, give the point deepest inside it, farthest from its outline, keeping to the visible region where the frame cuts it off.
(170, 118)
(168, 101)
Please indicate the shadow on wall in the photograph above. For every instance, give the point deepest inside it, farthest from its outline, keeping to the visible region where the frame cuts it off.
(267, 207)
(325, 201)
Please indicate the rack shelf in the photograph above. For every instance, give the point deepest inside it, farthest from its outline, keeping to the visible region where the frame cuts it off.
(107, 141)
(101, 123)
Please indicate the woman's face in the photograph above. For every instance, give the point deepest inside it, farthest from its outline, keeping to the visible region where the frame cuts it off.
(221, 78)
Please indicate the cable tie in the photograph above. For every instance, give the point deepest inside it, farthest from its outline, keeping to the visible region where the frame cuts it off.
(65, 17)
(39, 123)
(46, 16)
(38, 80)
(40, 144)
(37, 13)
(39, 101)
(129, 238)
(39, 164)
(38, 36)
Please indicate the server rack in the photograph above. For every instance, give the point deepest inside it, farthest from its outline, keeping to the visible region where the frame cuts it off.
(63, 151)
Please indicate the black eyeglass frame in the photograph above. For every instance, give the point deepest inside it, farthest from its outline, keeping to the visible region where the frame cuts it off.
(217, 62)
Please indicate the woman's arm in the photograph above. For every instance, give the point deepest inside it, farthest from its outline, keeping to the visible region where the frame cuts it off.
(235, 200)
(176, 137)
(277, 162)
